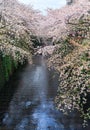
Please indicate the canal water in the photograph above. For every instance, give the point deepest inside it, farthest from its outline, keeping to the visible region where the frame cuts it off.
(27, 103)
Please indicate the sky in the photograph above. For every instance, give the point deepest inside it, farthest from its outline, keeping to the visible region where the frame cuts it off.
(42, 5)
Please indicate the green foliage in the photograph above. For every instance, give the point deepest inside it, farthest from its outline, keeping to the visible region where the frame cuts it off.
(2, 77)
(65, 48)
(7, 66)
(85, 56)
(74, 79)
(85, 42)
(83, 71)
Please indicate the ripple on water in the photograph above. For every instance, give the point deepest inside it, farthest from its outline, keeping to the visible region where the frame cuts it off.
(44, 118)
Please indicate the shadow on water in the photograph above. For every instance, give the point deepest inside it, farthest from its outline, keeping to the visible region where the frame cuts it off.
(8, 90)
(31, 105)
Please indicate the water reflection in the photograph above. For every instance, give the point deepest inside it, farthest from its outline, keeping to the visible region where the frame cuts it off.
(32, 106)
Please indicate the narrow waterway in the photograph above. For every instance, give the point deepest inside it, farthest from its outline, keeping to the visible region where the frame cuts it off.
(32, 104)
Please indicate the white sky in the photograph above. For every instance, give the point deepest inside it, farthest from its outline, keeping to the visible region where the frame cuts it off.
(42, 5)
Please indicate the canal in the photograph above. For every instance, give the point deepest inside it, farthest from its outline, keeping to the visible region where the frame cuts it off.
(27, 102)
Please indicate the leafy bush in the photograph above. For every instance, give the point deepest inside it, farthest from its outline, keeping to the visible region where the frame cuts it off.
(65, 48)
